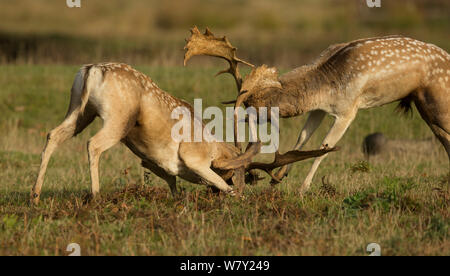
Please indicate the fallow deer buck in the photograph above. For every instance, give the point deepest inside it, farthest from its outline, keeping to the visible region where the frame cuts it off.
(136, 112)
(345, 78)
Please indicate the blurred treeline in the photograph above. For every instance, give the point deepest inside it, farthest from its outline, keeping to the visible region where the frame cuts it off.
(284, 32)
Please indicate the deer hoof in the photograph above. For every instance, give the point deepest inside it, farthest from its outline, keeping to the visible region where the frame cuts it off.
(34, 199)
(231, 192)
(277, 180)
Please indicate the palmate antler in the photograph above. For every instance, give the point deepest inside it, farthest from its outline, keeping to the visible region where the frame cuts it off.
(287, 158)
(244, 160)
(234, 168)
(207, 44)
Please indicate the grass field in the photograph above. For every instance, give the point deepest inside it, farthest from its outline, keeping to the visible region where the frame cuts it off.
(400, 202)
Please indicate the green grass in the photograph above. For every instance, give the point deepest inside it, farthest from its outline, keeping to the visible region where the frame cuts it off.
(400, 202)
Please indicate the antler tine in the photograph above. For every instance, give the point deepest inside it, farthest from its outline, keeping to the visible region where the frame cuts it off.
(208, 44)
(208, 32)
(287, 158)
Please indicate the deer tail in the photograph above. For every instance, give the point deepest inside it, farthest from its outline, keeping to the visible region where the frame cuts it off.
(404, 105)
(92, 77)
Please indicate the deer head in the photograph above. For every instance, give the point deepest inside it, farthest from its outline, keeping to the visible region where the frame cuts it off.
(260, 78)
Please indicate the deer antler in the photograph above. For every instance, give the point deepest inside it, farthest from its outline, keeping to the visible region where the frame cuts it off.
(242, 160)
(287, 158)
(207, 44)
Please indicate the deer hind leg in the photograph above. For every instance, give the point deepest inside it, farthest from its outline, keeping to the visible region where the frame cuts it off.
(443, 136)
(115, 128)
(434, 111)
(312, 123)
(170, 179)
(334, 135)
(73, 124)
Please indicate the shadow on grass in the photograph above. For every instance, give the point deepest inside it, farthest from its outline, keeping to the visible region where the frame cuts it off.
(131, 192)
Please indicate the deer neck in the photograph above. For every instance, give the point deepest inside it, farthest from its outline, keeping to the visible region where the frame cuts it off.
(302, 91)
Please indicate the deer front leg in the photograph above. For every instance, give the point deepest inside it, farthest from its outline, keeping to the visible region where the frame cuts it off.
(212, 178)
(334, 135)
(312, 123)
(196, 159)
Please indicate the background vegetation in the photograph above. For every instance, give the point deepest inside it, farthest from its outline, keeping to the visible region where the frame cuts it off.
(284, 33)
(399, 200)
